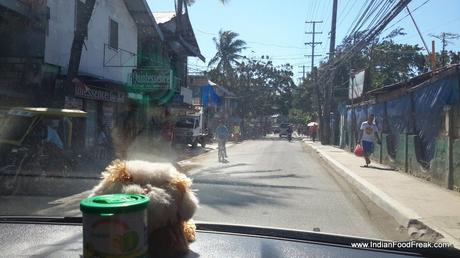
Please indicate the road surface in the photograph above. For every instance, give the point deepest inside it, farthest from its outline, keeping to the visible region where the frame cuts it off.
(277, 183)
(269, 182)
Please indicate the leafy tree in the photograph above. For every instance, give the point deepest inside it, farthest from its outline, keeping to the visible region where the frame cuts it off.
(262, 88)
(228, 53)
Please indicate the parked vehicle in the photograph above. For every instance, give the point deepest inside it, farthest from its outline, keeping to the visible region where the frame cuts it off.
(190, 129)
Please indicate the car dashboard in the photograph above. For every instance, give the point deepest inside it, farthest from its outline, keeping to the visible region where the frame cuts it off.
(63, 238)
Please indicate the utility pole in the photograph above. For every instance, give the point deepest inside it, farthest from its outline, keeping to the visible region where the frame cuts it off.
(313, 72)
(333, 26)
(444, 36)
(303, 71)
(313, 43)
(328, 128)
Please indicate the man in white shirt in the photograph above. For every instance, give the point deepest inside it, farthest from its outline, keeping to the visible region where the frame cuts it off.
(369, 132)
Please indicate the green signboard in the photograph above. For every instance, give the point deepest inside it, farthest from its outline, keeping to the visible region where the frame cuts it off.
(151, 80)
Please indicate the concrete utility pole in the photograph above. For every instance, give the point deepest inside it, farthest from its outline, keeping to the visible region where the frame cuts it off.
(333, 26)
(313, 43)
(303, 71)
(328, 129)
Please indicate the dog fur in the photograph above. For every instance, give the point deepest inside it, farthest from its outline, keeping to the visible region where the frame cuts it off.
(172, 201)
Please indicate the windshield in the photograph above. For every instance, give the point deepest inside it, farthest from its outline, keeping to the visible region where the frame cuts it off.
(321, 115)
(185, 123)
(284, 125)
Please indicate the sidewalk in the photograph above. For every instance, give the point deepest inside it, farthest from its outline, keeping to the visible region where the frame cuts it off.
(420, 206)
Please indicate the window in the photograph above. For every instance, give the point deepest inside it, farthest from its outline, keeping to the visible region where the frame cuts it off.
(113, 34)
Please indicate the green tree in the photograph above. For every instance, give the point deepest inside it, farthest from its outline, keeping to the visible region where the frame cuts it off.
(228, 54)
(262, 88)
(385, 61)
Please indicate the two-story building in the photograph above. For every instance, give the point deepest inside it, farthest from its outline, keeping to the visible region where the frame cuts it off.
(22, 45)
(160, 80)
(126, 54)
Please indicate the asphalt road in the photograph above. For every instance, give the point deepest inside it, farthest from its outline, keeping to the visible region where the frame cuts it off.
(269, 182)
(277, 183)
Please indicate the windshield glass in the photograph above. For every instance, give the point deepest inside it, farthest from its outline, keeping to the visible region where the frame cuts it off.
(321, 115)
(185, 122)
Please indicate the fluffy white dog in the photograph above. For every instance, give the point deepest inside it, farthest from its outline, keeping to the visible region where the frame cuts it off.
(172, 201)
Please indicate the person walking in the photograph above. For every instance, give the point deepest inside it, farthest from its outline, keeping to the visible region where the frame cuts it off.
(313, 132)
(369, 132)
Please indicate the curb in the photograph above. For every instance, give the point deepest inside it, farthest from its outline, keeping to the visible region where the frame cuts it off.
(403, 215)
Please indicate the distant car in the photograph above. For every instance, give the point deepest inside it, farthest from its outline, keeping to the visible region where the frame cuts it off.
(283, 129)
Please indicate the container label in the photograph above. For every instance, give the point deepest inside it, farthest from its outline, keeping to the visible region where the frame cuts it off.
(118, 235)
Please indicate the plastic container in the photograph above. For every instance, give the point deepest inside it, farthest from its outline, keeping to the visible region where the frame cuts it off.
(115, 225)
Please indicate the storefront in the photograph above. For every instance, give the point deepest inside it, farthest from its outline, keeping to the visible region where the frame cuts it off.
(102, 101)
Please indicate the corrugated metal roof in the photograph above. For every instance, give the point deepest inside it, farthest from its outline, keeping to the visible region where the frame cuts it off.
(187, 40)
(163, 17)
(413, 82)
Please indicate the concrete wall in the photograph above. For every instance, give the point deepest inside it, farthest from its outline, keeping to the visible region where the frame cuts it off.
(60, 36)
(439, 165)
(456, 164)
(413, 166)
(406, 159)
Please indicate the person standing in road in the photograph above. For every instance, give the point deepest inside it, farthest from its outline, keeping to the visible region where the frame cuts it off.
(369, 131)
(222, 134)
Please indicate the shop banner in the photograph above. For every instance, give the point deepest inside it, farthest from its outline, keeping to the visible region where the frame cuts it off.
(356, 87)
(84, 91)
(147, 80)
(73, 103)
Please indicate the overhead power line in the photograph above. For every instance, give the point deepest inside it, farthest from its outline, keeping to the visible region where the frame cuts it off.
(369, 35)
(256, 42)
(405, 16)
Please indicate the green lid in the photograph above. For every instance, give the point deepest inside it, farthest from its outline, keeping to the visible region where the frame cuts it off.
(114, 203)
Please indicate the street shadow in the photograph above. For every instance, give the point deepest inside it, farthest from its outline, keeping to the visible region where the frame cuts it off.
(380, 168)
(224, 194)
(275, 176)
(225, 197)
(223, 182)
(254, 171)
(219, 168)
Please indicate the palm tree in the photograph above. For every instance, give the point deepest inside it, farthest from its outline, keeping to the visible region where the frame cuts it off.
(228, 52)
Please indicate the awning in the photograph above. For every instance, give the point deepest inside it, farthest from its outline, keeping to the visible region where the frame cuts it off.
(186, 41)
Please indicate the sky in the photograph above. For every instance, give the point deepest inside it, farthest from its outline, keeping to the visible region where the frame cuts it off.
(277, 27)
